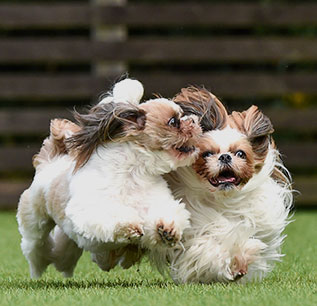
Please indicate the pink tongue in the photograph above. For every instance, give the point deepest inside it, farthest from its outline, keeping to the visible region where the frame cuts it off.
(226, 179)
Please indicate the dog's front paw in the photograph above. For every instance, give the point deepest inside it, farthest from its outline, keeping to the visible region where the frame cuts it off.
(168, 233)
(239, 267)
(246, 256)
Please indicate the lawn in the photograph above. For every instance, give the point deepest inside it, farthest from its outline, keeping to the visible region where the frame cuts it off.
(293, 282)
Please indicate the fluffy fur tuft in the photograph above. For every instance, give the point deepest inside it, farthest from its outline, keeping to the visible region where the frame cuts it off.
(125, 91)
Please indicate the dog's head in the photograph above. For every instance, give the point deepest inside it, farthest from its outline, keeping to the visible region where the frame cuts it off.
(156, 125)
(230, 156)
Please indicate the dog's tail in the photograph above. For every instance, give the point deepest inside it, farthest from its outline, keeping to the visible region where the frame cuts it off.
(54, 145)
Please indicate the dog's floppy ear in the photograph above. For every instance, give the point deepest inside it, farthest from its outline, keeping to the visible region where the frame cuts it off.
(104, 122)
(258, 128)
(201, 102)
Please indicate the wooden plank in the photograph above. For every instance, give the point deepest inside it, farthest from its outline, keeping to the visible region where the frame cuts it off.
(229, 49)
(23, 121)
(224, 84)
(192, 50)
(208, 14)
(306, 191)
(43, 50)
(306, 186)
(10, 193)
(228, 84)
(37, 86)
(299, 120)
(36, 121)
(136, 14)
(17, 158)
(45, 15)
(295, 155)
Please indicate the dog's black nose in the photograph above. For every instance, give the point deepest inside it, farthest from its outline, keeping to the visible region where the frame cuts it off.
(225, 158)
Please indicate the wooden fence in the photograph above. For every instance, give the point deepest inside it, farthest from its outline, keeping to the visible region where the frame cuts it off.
(54, 56)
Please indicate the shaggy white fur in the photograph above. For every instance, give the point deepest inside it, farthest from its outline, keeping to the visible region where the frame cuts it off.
(116, 198)
(233, 230)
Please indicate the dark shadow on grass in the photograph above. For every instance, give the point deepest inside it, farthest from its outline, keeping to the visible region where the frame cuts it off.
(74, 284)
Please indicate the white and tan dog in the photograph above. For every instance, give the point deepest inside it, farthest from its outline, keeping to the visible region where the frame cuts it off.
(99, 184)
(238, 193)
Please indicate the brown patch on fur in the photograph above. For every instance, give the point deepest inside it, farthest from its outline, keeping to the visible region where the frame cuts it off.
(54, 145)
(104, 122)
(61, 129)
(205, 105)
(205, 145)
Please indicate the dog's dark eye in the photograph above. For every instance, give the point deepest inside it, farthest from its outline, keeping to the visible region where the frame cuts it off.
(207, 154)
(241, 154)
(174, 122)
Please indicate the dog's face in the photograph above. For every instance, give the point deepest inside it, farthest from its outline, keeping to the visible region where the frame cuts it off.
(229, 157)
(167, 128)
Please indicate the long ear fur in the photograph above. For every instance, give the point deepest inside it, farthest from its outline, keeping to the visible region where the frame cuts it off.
(201, 102)
(54, 145)
(258, 128)
(104, 122)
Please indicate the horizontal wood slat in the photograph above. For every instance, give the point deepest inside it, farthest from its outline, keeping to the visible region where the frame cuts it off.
(209, 14)
(299, 120)
(136, 14)
(209, 50)
(17, 158)
(38, 50)
(32, 121)
(36, 121)
(11, 191)
(222, 84)
(43, 85)
(231, 85)
(159, 50)
(294, 155)
(306, 190)
(44, 15)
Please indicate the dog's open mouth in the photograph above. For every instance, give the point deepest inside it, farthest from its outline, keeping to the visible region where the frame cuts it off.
(226, 177)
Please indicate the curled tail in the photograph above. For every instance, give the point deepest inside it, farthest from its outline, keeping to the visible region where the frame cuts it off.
(54, 144)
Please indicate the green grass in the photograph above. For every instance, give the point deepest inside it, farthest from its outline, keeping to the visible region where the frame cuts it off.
(293, 282)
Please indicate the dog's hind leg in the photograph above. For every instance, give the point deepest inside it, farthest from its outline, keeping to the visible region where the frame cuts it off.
(35, 226)
(65, 253)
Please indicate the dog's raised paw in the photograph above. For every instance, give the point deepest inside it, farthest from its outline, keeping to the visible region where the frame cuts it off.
(129, 233)
(167, 233)
(134, 231)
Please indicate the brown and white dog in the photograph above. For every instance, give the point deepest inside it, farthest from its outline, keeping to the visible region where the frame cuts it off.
(100, 185)
(238, 193)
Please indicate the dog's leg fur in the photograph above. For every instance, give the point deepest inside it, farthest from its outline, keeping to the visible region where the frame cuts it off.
(65, 253)
(126, 256)
(35, 226)
(165, 221)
